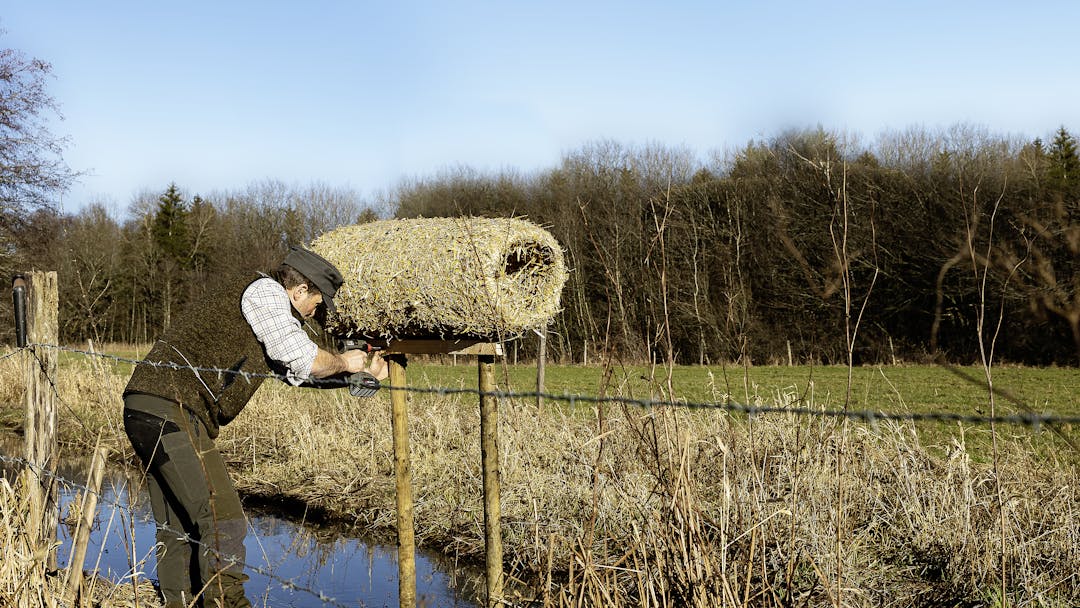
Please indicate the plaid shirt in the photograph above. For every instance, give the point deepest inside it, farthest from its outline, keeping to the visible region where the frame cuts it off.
(266, 307)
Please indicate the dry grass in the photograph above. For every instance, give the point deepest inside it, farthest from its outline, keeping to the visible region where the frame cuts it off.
(444, 276)
(616, 506)
(23, 567)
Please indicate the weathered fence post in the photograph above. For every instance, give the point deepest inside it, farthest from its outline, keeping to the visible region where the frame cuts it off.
(40, 400)
(489, 457)
(403, 474)
(40, 418)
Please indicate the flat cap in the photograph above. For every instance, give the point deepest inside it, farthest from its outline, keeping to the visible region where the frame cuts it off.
(318, 270)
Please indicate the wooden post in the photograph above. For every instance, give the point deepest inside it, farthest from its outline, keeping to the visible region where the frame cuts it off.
(395, 354)
(87, 510)
(403, 474)
(541, 355)
(40, 421)
(489, 457)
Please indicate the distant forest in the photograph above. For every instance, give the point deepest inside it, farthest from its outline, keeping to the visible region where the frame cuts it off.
(809, 246)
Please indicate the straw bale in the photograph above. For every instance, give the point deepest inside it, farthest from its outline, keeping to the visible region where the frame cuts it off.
(444, 277)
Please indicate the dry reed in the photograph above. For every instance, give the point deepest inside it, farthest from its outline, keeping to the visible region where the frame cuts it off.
(680, 508)
(21, 565)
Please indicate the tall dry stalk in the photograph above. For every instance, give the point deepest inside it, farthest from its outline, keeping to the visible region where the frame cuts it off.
(839, 238)
(986, 356)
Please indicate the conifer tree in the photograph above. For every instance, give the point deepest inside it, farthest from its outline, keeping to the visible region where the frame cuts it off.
(170, 230)
(1063, 172)
(171, 238)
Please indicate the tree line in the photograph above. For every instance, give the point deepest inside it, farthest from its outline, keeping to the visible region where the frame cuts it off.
(808, 246)
(124, 281)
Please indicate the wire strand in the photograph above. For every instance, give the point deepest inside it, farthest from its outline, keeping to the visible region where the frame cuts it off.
(1028, 418)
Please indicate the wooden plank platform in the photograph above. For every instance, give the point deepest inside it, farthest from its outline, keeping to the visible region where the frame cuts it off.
(433, 346)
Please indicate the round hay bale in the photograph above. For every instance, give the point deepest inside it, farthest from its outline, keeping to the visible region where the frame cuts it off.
(444, 277)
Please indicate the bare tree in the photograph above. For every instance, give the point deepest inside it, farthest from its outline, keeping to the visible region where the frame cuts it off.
(32, 169)
(89, 271)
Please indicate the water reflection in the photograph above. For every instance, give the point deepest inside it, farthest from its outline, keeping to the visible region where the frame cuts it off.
(280, 554)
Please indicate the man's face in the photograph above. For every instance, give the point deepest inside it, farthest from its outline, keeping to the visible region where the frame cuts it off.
(305, 301)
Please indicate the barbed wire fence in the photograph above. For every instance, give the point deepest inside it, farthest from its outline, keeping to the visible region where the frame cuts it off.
(1029, 418)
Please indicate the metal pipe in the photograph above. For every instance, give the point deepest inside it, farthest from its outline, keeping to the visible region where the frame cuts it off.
(18, 297)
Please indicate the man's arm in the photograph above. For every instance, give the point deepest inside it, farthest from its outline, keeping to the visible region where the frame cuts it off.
(265, 305)
(328, 364)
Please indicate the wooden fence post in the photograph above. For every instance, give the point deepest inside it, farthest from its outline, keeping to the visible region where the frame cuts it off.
(40, 406)
(395, 355)
(489, 458)
(40, 420)
(403, 474)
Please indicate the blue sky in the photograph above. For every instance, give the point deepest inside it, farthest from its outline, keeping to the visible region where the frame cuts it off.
(217, 95)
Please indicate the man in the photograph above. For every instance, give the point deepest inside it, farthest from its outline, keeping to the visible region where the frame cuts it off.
(175, 404)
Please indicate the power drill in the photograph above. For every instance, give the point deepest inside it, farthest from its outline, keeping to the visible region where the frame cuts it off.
(361, 384)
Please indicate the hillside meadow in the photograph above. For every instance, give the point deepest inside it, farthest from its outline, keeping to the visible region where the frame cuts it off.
(615, 504)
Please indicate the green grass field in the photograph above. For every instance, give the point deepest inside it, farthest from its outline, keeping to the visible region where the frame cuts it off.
(890, 389)
(902, 388)
(907, 388)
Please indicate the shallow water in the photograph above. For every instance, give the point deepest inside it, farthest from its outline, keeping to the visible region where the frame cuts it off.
(290, 563)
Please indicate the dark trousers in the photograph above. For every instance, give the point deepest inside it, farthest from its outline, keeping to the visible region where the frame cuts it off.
(200, 521)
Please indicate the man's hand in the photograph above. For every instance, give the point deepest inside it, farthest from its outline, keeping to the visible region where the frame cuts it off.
(349, 362)
(328, 364)
(377, 366)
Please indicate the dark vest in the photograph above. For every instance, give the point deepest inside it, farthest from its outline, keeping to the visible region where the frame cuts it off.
(213, 335)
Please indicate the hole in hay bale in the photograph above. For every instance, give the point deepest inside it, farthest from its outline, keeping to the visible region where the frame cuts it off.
(528, 258)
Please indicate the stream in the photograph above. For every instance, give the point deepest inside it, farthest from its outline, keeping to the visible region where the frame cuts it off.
(290, 562)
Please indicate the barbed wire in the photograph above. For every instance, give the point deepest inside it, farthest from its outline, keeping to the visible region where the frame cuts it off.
(1028, 418)
(288, 584)
(56, 390)
(12, 353)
